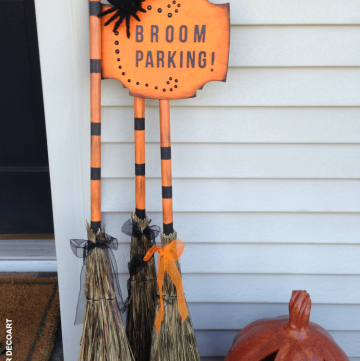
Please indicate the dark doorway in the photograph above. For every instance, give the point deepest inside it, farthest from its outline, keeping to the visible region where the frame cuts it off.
(25, 198)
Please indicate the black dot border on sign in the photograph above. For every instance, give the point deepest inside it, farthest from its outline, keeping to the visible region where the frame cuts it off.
(117, 51)
(160, 10)
(168, 82)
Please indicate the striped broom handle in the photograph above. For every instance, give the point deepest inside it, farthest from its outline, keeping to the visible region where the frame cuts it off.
(139, 126)
(166, 177)
(95, 100)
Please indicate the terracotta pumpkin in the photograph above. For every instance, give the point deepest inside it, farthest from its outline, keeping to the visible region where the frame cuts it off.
(286, 338)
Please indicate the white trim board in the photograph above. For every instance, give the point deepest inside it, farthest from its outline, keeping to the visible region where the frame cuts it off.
(27, 249)
(63, 33)
(28, 266)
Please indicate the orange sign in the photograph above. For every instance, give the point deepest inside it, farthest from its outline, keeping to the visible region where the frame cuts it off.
(177, 47)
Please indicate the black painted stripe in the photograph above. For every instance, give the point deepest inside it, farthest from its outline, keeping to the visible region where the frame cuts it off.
(140, 213)
(95, 226)
(167, 192)
(95, 66)
(139, 169)
(95, 173)
(95, 128)
(168, 228)
(95, 8)
(139, 124)
(165, 153)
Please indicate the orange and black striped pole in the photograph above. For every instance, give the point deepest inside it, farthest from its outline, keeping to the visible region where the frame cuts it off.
(95, 100)
(139, 126)
(166, 177)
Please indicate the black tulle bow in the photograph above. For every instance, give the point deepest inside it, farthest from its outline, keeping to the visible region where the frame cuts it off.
(82, 248)
(137, 263)
(133, 230)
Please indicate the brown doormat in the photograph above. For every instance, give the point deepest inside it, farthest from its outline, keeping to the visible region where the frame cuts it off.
(29, 317)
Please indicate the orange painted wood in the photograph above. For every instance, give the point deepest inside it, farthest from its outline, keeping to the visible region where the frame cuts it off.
(166, 174)
(167, 205)
(165, 133)
(95, 97)
(286, 338)
(140, 192)
(95, 201)
(139, 146)
(139, 112)
(95, 153)
(139, 107)
(169, 57)
(95, 37)
(95, 104)
(165, 141)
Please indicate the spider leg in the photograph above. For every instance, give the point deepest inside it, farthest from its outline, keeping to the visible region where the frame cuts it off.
(112, 18)
(111, 10)
(136, 17)
(142, 10)
(118, 23)
(128, 26)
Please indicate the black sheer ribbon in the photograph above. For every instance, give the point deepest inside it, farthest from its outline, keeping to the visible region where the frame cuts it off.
(82, 248)
(131, 229)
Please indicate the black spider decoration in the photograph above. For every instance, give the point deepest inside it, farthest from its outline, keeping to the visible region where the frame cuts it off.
(124, 9)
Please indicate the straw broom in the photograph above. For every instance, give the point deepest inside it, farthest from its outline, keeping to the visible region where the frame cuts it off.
(142, 283)
(175, 340)
(104, 337)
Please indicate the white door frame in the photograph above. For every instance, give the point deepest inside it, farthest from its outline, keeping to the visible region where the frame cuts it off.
(63, 33)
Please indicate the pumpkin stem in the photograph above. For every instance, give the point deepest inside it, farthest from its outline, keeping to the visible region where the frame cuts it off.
(299, 310)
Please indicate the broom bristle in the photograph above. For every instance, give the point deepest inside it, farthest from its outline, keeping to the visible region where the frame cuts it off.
(141, 309)
(104, 337)
(176, 339)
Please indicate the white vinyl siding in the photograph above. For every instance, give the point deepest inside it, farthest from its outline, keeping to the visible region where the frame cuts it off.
(266, 172)
(266, 167)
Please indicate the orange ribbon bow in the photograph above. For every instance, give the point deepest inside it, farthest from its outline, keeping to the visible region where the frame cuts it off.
(166, 262)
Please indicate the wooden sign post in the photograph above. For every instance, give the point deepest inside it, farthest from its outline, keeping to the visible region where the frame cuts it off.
(175, 48)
